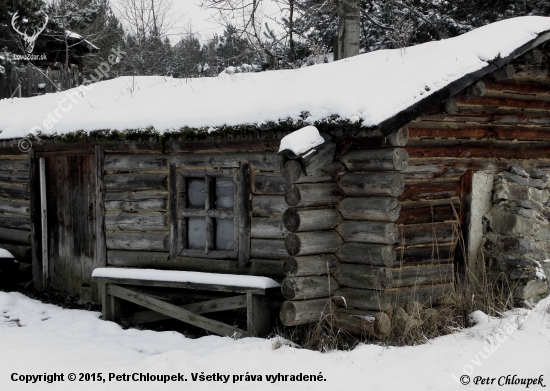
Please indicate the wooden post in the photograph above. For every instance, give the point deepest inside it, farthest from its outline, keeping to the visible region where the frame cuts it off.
(243, 210)
(101, 247)
(44, 223)
(36, 226)
(257, 315)
(173, 201)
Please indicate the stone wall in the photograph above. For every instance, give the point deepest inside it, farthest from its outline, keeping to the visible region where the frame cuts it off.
(516, 236)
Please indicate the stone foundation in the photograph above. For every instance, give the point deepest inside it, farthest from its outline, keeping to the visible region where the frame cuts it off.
(516, 236)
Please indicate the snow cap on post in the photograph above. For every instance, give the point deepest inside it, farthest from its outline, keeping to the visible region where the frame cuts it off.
(300, 141)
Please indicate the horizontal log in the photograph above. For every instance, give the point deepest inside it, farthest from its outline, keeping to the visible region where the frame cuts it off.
(310, 265)
(14, 164)
(268, 205)
(421, 275)
(363, 276)
(489, 148)
(368, 232)
(136, 222)
(294, 313)
(136, 201)
(136, 182)
(312, 194)
(135, 162)
(309, 243)
(268, 228)
(517, 102)
(428, 233)
(296, 220)
(9, 235)
(426, 214)
(370, 208)
(367, 254)
(137, 241)
(482, 132)
(156, 260)
(14, 192)
(534, 57)
(426, 295)
(269, 183)
(21, 177)
(23, 253)
(17, 222)
(293, 172)
(15, 207)
(390, 159)
(311, 287)
(399, 138)
(358, 184)
(492, 115)
(430, 191)
(266, 248)
(430, 254)
(217, 159)
(363, 323)
(531, 73)
(363, 299)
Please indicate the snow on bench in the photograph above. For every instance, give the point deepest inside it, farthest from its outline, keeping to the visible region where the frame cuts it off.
(254, 282)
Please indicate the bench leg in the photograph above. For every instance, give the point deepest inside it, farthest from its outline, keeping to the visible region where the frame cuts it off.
(257, 315)
(111, 307)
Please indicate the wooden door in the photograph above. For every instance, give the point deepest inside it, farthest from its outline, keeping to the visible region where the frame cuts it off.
(71, 238)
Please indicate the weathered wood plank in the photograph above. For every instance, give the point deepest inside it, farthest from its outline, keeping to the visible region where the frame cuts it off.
(15, 207)
(16, 222)
(270, 249)
(311, 287)
(297, 220)
(20, 177)
(390, 159)
(368, 232)
(136, 182)
(310, 265)
(14, 192)
(358, 184)
(368, 254)
(137, 241)
(426, 214)
(173, 205)
(294, 313)
(99, 194)
(312, 194)
(135, 162)
(430, 191)
(136, 222)
(429, 254)
(136, 201)
(268, 228)
(268, 205)
(14, 164)
(257, 315)
(309, 243)
(428, 233)
(363, 276)
(371, 208)
(422, 275)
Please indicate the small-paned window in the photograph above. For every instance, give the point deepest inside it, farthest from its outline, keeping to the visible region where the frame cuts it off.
(207, 218)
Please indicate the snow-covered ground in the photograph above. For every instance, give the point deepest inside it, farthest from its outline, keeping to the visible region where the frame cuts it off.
(38, 339)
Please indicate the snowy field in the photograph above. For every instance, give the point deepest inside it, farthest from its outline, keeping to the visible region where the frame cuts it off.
(38, 339)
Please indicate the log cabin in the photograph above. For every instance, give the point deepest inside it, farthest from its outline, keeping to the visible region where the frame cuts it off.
(386, 208)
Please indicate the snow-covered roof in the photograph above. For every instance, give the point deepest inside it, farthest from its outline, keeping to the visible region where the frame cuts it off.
(368, 89)
(72, 34)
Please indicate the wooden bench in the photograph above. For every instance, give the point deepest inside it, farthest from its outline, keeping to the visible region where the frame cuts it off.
(115, 284)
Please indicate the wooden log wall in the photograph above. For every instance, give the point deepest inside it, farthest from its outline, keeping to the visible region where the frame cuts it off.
(15, 230)
(138, 211)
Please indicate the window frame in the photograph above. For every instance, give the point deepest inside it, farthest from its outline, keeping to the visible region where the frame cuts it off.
(209, 213)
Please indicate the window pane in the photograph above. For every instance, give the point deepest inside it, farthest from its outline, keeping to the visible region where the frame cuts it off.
(196, 233)
(196, 193)
(225, 193)
(224, 234)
